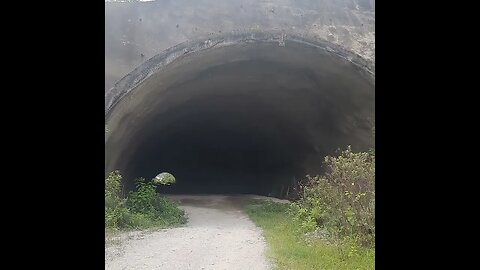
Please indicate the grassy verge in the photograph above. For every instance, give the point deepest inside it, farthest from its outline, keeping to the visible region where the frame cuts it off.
(170, 215)
(290, 249)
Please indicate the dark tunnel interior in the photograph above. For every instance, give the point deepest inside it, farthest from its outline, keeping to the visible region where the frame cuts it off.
(245, 118)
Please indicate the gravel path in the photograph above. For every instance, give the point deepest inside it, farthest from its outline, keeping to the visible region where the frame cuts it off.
(218, 235)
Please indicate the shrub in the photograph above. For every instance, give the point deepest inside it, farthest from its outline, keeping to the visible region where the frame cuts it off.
(113, 185)
(141, 200)
(142, 208)
(147, 202)
(164, 179)
(343, 200)
(116, 212)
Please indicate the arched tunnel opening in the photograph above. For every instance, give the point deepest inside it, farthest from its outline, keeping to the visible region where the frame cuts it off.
(246, 116)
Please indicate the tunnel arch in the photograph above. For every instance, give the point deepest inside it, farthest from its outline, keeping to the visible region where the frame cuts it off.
(239, 113)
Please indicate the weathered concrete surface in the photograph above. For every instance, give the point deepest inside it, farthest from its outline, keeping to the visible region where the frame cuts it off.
(181, 51)
(135, 32)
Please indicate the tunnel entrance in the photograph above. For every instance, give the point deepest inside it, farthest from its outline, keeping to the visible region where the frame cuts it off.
(238, 114)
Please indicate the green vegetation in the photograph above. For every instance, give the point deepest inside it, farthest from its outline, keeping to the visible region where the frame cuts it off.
(291, 249)
(341, 202)
(141, 209)
(164, 179)
(332, 225)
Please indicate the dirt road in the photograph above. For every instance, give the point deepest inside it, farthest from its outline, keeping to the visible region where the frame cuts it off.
(218, 235)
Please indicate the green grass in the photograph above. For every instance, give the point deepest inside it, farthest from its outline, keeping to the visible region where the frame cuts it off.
(288, 248)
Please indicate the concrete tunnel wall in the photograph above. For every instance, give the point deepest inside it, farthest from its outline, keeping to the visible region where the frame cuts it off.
(240, 112)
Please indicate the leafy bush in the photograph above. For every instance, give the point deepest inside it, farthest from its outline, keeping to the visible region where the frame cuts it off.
(145, 201)
(142, 208)
(141, 200)
(116, 212)
(164, 179)
(343, 200)
(113, 185)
